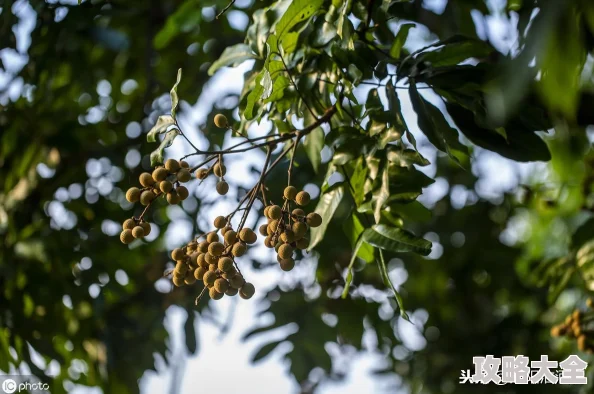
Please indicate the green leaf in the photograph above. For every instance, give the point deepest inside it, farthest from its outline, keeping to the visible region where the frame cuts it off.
(455, 53)
(434, 125)
(190, 332)
(173, 93)
(314, 142)
(388, 282)
(381, 195)
(326, 208)
(396, 109)
(396, 240)
(349, 277)
(157, 154)
(289, 42)
(406, 157)
(357, 180)
(353, 229)
(400, 39)
(265, 350)
(254, 96)
(298, 11)
(232, 55)
(163, 123)
(278, 88)
(521, 145)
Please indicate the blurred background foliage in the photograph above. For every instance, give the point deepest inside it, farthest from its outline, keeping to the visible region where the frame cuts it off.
(82, 85)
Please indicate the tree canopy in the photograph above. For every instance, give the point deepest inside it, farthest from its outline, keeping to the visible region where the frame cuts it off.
(367, 105)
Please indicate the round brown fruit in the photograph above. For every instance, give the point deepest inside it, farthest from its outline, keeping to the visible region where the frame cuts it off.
(221, 285)
(182, 192)
(302, 198)
(146, 227)
(199, 273)
(202, 173)
(203, 246)
(275, 212)
(285, 251)
(239, 249)
(146, 179)
(172, 197)
(298, 212)
(183, 175)
(222, 188)
(126, 236)
(179, 282)
(178, 254)
(172, 166)
(129, 224)
(133, 194)
(237, 281)
(313, 219)
(212, 237)
(302, 243)
(248, 235)
(209, 278)
(287, 264)
(210, 258)
(184, 164)
(220, 121)
(288, 236)
(220, 222)
(247, 291)
(225, 264)
(146, 197)
(216, 248)
(231, 292)
(165, 186)
(138, 232)
(263, 229)
(159, 174)
(214, 294)
(299, 229)
(230, 237)
(190, 280)
(219, 170)
(290, 193)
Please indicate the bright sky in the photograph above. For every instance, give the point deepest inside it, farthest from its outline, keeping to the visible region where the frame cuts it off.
(223, 360)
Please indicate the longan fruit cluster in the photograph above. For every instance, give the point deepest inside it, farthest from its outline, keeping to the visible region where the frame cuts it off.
(219, 170)
(134, 228)
(578, 325)
(212, 261)
(286, 228)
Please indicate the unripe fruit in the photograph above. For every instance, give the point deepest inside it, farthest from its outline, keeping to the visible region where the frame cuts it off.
(146, 179)
(182, 192)
(219, 170)
(159, 174)
(212, 237)
(287, 264)
(179, 282)
(239, 249)
(138, 232)
(247, 291)
(146, 197)
(220, 121)
(184, 164)
(237, 281)
(165, 186)
(230, 237)
(214, 294)
(126, 236)
(133, 194)
(298, 212)
(190, 280)
(183, 175)
(210, 258)
(231, 292)
(216, 248)
(172, 166)
(201, 173)
(275, 212)
(225, 264)
(290, 192)
(285, 251)
(221, 285)
(302, 243)
(128, 224)
(299, 229)
(247, 235)
(146, 227)
(173, 198)
(199, 273)
(288, 236)
(177, 254)
(209, 278)
(222, 188)
(313, 219)
(220, 222)
(302, 198)
(203, 246)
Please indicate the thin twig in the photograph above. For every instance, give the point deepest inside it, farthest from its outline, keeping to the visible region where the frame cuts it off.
(225, 9)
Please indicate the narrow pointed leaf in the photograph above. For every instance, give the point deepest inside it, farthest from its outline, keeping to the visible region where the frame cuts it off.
(157, 154)
(173, 93)
(232, 55)
(163, 123)
(314, 142)
(326, 208)
(396, 240)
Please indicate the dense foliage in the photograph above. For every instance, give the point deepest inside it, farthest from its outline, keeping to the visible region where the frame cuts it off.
(328, 81)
